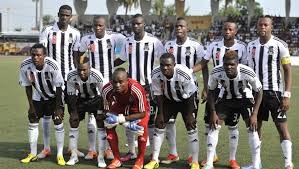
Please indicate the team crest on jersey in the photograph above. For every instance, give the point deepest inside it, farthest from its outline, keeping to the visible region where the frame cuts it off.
(146, 47)
(170, 50)
(271, 50)
(54, 39)
(92, 47)
(188, 51)
(109, 45)
(253, 52)
(130, 49)
(47, 77)
(70, 38)
(177, 86)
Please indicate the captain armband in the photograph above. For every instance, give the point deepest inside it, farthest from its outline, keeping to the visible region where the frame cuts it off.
(285, 60)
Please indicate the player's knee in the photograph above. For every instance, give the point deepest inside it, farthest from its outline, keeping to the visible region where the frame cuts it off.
(32, 118)
(191, 124)
(74, 121)
(160, 124)
(57, 121)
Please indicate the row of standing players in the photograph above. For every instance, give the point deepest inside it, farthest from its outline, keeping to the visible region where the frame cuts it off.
(63, 43)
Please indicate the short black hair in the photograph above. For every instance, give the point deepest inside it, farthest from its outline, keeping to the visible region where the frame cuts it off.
(166, 56)
(266, 16)
(137, 16)
(67, 7)
(231, 55)
(119, 70)
(180, 18)
(39, 46)
(98, 17)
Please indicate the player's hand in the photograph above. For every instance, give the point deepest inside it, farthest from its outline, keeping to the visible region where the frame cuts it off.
(134, 127)
(214, 121)
(109, 126)
(114, 119)
(59, 114)
(253, 122)
(203, 96)
(285, 104)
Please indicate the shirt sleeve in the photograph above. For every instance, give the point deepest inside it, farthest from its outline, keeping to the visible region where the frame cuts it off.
(124, 53)
(71, 87)
(284, 53)
(208, 53)
(156, 87)
(58, 80)
(23, 78)
(77, 42)
(43, 37)
(200, 52)
(139, 98)
(212, 83)
(83, 45)
(244, 57)
(159, 49)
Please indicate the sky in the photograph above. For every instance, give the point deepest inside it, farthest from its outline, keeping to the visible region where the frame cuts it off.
(21, 13)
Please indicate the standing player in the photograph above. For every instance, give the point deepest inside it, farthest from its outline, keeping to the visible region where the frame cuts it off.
(267, 55)
(187, 52)
(126, 102)
(83, 87)
(174, 89)
(216, 51)
(100, 46)
(141, 50)
(43, 74)
(237, 83)
(61, 40)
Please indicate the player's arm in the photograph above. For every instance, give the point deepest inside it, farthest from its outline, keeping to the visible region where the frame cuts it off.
(76, 51)
(200, 66)
(205, 77)
(28, 90)
(212, 84)
(287, 70)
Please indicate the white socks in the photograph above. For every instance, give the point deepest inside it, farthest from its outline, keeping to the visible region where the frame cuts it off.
(233, 141)
(171, 137)
(130, 140)
(73, 138)
(46, 121)
(33, 136)
(255, 148)
(59, 134)
(193, 144)
(158, 140)
(91, 130)
(101, 142)
(207, 129)
(212, 141)
(286, 146)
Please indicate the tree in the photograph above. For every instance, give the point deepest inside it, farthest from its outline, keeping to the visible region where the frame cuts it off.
(240, 9)
(160, 9)
(48, 19)
(128, 4)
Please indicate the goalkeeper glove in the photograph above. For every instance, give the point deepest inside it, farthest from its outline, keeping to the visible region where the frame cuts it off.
(134, 127)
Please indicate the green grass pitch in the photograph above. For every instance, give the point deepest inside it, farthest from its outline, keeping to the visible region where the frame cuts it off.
(14, 140)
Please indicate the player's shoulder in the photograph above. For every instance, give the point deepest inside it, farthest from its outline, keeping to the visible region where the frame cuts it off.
(280, 41)
(156, 72)
(26, 62)
(241, 43)
(88, 35)
(253, 42)
(183, 71)
(71, 74)
(247, 70)
(217, 69)
(47, 28)
(52, 63)
(96, 74)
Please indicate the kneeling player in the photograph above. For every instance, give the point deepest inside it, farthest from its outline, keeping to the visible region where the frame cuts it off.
(235, 96)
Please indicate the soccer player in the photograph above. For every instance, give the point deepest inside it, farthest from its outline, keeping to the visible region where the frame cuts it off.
(188, 52)
(126, 104)
(267, 55)
(61, 40)
(43, 74)
(216, 51)
(100, 46)
(141, 51)
(174, 90)
(237, 83)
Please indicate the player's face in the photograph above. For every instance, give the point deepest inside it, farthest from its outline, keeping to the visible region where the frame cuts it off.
(264, 27)
(65, 16)
(181, 29)
(138, 25)
(38, 56)
(120, 82)
(167, 67)
(99, 27)
(229, 30)
(83, 71)
(230, 67)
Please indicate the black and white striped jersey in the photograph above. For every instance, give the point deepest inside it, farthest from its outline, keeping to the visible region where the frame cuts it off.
(60, 45)
(43, 81)
(181, 86)
(266, 59)
(141, 56)
(189, 53)
(84, 89)
(216, 51)
(101, 51)
(237, 88)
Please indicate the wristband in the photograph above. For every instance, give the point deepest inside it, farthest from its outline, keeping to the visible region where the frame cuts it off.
(121, 118)
(287, 94)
